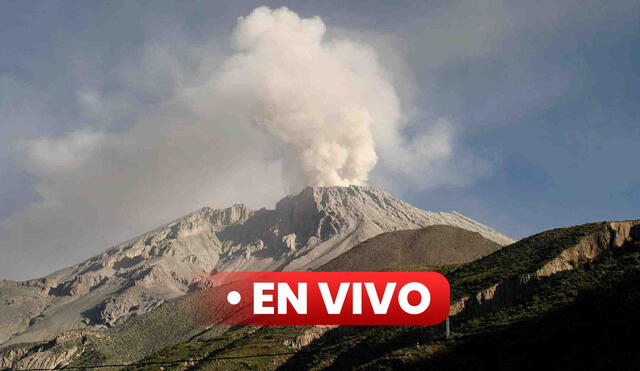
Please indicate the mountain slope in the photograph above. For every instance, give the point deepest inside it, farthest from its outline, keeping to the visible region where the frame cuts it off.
(430, 246)
(528, 281)
(582, 319)
(539, 294)
(302, 233)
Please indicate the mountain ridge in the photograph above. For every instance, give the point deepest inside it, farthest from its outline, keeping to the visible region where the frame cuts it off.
(529, 280)
(303, 232)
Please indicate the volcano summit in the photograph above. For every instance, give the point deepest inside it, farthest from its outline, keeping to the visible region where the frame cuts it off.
(302, 233)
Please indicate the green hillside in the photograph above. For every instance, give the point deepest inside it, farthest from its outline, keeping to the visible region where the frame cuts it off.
(580, 319)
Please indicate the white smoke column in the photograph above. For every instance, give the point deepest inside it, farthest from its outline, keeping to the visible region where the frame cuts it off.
(321, 98)
(288, 108)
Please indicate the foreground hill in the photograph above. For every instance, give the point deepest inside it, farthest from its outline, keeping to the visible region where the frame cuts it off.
(433, 245)
(303, 232)
(562, 299)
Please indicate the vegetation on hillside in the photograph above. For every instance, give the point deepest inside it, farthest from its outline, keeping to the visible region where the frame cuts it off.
(524, 256)
(580, 319)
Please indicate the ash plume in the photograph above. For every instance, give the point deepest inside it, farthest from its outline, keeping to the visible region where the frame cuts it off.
(289, 107)
(318, 97)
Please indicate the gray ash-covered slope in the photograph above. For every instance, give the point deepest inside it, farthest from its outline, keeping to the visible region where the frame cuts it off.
(304, 232)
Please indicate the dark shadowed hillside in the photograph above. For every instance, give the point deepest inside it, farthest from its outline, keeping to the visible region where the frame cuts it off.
(580, 318)
(430, 246)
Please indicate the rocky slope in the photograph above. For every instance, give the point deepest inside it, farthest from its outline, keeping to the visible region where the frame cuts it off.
(531, 280)
(302, 233)
(542, 293)
(515, 267)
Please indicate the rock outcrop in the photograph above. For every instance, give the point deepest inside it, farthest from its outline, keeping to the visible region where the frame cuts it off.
(606, 236)
(53, 354)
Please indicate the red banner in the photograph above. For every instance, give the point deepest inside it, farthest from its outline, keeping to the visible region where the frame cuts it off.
(329, 298)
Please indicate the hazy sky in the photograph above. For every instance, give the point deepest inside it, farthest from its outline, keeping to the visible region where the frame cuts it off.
(115, 116)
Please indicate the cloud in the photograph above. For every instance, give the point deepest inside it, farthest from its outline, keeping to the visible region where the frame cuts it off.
(61, 154)
(288, 107)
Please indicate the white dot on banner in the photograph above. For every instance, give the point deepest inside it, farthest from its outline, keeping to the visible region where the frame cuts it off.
(233, 297)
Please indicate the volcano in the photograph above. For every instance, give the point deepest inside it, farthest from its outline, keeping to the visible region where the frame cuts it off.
(303, 232)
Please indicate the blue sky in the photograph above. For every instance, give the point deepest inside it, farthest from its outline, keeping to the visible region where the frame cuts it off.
(543, 94)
